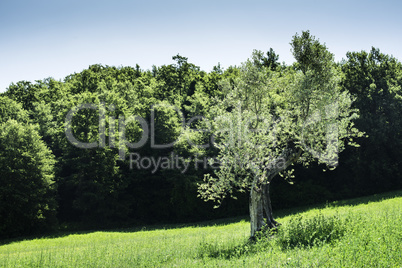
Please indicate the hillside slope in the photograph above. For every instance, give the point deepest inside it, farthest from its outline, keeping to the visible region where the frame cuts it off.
(352, 233)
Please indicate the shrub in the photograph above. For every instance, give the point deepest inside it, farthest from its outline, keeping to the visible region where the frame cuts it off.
(311, 231)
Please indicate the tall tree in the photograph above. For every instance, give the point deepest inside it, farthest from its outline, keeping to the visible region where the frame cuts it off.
(27, 197)
(375, 80)
(272, 120)
(270, 61)
(310, 54)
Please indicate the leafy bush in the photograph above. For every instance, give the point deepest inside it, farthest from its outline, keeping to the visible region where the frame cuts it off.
(302, 231)
(311, 231)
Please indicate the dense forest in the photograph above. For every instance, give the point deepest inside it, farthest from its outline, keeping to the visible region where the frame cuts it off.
(113, 147)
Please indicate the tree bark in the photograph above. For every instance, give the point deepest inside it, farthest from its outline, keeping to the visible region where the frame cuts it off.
(260, 201)
(261, 209)
(268, 207)
(256, 210)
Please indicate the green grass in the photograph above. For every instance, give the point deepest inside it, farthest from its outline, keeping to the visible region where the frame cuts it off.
(364, 232)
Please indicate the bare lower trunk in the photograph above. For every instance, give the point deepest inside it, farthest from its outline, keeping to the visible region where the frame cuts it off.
(261, 209)
(260, 201)
(271, 223)
(256, 210)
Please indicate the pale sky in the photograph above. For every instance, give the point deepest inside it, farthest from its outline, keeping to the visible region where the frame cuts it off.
(54, 38)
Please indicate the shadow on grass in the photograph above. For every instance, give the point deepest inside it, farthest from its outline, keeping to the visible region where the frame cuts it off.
(249, 247)
(67, 230)
(227, 253)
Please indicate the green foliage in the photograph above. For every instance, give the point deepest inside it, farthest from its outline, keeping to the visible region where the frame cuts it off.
(10, 109)
(23, 92)
(270, 61)
(176, 81)
(268, 116)
(310, 54)
(375, 79)
(312, 231)
(90, 182)
(27, 200)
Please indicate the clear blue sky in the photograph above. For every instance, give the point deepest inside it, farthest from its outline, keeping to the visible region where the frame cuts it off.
(52, 38)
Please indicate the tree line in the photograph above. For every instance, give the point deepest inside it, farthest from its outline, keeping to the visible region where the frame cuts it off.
(128, 177)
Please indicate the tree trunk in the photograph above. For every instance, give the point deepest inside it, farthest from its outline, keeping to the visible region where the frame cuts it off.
(261, 209)
(256, 210)
(268, 207)
(260, 201)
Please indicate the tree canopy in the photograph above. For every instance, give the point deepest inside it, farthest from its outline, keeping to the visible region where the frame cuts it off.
(26, 174)
(271, 120)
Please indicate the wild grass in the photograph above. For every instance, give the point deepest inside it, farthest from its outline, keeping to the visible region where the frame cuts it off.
(354, 233)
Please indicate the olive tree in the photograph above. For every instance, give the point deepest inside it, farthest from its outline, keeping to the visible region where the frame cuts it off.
(271, 120)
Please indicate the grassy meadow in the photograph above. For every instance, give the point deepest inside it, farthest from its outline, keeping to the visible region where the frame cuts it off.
(365, 232)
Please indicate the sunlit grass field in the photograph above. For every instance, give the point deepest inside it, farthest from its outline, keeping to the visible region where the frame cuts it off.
(365, 232)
